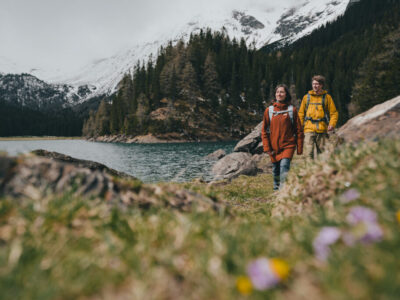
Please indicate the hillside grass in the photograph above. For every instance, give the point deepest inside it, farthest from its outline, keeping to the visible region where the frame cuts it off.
(71, 248)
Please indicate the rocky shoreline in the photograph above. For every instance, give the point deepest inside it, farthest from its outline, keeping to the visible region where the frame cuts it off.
(151, 139)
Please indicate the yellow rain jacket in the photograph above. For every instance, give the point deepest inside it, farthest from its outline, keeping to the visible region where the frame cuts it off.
(316, 112)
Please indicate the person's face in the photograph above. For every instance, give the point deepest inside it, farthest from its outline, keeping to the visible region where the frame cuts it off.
(316, 86)
(280, 94)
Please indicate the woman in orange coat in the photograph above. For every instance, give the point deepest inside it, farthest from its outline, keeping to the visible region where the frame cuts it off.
(281, 133)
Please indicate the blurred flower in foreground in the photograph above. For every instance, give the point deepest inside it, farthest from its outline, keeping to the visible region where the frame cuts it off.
(363, 232)
(280, 267)
(266, 273)
(361, 214)
(398, 216)
(326, 237)
(365, 227)
(243, 285)
(349, 196)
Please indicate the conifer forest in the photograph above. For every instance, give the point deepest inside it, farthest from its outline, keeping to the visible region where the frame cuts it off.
(358, 54)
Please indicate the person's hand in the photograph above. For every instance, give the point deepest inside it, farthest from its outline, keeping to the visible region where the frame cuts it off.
(330, 128)
(272, 153)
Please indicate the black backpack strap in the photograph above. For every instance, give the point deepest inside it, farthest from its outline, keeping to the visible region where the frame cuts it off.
(307, 104)
(326, 112)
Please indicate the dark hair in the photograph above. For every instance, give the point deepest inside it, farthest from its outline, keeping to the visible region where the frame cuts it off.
(319, 78)
(288, 98)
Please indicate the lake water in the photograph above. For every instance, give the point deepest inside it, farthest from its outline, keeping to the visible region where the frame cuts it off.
(149, 162)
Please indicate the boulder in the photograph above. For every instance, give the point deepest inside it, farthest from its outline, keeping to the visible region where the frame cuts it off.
(41, 179)
(381, 121)
(218, 154)
(250, 142)
(262, 162)
(259, 149)
(92, 165)
(233, 165)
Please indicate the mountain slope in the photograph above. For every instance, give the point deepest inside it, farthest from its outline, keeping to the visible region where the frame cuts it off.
(28, 91)
(258, 26)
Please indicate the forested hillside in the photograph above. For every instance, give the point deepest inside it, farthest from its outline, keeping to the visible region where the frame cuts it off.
(225, 85)
(21, 121)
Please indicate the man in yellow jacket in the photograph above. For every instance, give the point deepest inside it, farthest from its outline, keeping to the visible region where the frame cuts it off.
(318, 115)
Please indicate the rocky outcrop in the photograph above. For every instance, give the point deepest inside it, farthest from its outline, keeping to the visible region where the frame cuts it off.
(247, 158)
(262, 162)
(140, 139)
(233, 165)
(250, 142)
(92, 165)
(43, 179)
(218, 154)
(381, 121)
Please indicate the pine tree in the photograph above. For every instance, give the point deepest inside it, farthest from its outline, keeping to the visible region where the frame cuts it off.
(168, 81)
(188, 86)
(102, 119)
(234, 87)
(142, 111)
(210, 79)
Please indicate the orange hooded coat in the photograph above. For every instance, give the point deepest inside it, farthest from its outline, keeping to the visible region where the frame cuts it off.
(283, 136)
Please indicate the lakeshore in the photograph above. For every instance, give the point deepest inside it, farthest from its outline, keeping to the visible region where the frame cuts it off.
(40, 138)
(152, 139)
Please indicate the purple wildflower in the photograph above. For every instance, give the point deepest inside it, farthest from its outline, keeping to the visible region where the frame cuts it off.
(365, 227)
(261, 274)
(326, 237)
(373, 233)
(349, 196)
(361, 214)
(349, 239)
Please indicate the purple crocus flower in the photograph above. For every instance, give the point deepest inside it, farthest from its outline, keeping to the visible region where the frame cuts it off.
(361, 214)
(326, 237)
(365, 227)
(373, 233)
(349, 196)
(261, 274)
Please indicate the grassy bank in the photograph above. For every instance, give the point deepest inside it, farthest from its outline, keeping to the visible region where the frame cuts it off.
(69, 248)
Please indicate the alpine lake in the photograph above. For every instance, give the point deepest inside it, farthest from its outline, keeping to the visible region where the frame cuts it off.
(151, 163)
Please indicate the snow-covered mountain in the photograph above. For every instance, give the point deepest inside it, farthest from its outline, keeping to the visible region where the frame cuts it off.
(259, 26)
(28, 91)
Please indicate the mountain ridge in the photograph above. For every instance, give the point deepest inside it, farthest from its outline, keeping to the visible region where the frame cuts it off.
(256, 26)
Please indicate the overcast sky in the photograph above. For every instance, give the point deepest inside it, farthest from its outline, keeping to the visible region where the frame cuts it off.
(69, 33)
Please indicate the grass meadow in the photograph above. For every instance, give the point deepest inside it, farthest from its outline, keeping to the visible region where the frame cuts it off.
(71, 248)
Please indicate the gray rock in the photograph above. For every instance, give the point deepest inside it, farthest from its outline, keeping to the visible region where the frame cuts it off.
(233, 165)
(381, 121)
(218, 154)
(5, 165)
(263, 163)
(92, 165)
(259, 149)
(42, 179)
(251, 142)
